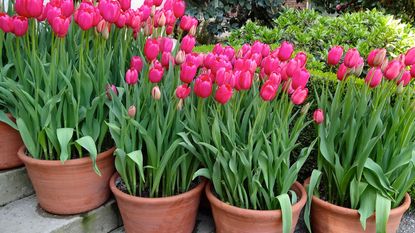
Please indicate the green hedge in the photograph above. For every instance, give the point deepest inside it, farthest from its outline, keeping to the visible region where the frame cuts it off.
(315, 33)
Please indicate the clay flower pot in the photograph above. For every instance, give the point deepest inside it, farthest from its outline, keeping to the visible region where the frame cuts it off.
(158, 215)
(72, 187)
(231, 219)
(10, 142)
(329, 218)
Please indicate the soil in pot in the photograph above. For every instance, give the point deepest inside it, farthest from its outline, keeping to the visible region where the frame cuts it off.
(158, 215)
(231, 219)
(10, 142)
(72, 187)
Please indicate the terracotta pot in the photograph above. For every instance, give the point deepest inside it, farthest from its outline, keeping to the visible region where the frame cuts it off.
(329, 218)
(10, 142)
(72, 187)
(158, 215)
(231, 219)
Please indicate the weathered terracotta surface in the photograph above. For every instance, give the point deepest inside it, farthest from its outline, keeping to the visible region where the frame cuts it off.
(231, 219)
(158, 215)
(72, 187)
(329, 218)
(10, 142)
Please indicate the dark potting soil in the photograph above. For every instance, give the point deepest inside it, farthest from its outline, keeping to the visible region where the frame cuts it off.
(146, 193)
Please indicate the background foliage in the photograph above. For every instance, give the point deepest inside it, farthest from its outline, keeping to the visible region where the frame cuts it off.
(316, 33)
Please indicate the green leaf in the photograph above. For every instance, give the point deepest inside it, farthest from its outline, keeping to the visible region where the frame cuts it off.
(64, 137)
(314, 182)
(27, 138)
(89, 144)
(202, 172)
(383, 208)
(286, 211)
(137, 157)
(367, 205)
(4, 118)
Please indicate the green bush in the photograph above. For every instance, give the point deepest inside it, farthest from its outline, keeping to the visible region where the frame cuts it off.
(315, 33)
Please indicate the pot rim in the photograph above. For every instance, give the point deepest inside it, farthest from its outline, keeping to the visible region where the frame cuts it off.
(348, 211)
(259, 213)
(155, 200)
(57, 163)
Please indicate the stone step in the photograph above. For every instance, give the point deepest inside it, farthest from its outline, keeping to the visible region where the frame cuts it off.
(14, 185)
(204, 224)
(25, 215)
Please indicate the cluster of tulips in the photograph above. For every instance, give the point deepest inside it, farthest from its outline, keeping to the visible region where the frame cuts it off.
(400, 69)
(58, 14)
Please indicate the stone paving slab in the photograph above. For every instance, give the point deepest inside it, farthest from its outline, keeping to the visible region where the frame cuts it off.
(14, 185)
(25, 216)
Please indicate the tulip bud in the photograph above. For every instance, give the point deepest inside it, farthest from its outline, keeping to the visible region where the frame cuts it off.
(352, 58)
(110, 89)
(203, 86)
(180, 105)
(131, 76)
(405, 79)
(334, 55)
(342, 72)
(224, 93)
(299, 95)
(301, 58)
(318, 116)
(153, 11)
(156, 72)
(376, 57)
(193, 30)
(358, 69)
(374, 77)
(393, 69)
(132, 111)
(285, 51)
(399, 90)
(410, 57)
(155, 93)
(162, 20)
(180, 57)
(104, 28)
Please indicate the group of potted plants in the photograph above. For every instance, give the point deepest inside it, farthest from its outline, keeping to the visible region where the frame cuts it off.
(115, 91)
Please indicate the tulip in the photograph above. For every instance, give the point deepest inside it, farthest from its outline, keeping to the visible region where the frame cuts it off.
(318, 116)
(342, 72)
(335, 55)
(110, 10)
(358, 69)
(52, 12)
(104, 28)
(122, 20)
(165, 44)
(145, 12)
(413, 71)
(169, 29)
(224, 93)
(292, 68)
(265, 50)
(109, 90)
(393, 69)
(245, 80)
(166, 57)
(137, 63)
(60, 26)
(275, 79)
(188, 43)
(229, 52)
(268, 91)
(125, 4)
(6, 23)
(187, 22)
(157, 2)
(410, 57)
(187, 72)
(299, 95)
(301, 58)
(161, 22)
(155, 93)
(29, 8)
(285, 51)
(269, 64)
(20, 25)
(180, 57)
(151, 49)
(405, 79)
(203, 86)
(223, 76)
(376, 57)
(132, 111)
(374, 77)
(183, 91)
(156, 72)
(131, 76)
(257, 47)
(84, 17)
(352, 58)
(300, 79)
(67, 8)
(179, 8)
